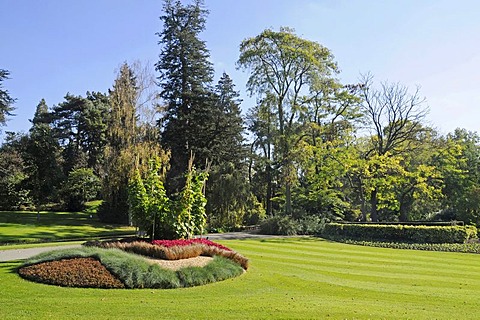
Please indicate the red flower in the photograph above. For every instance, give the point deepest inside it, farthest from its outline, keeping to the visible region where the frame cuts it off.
(189, 242)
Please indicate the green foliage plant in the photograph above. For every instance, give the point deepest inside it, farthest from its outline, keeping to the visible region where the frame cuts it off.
(149, 205)
(153, 211)
(401, 233)
(190, 212)
(82, 185)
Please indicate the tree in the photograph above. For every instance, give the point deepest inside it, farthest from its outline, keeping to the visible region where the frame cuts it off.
(66, 118)
(42, 156)
(185, 76)
(395, 120)
(82, 185)
(80, 125)
(229, 191)
(458, 159)
(6, 101)
(119, 153)
(163, 217)
(93, 129)
(12, 174)
(284, 69)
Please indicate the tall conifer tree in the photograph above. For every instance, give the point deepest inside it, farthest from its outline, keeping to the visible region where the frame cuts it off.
(42, 157)
(185, 78)
(6, 101)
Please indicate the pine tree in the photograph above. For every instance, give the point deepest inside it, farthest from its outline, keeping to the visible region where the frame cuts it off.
(229, 193)
(80, 125)
(185, 77)
(6, 101)
(42, 157)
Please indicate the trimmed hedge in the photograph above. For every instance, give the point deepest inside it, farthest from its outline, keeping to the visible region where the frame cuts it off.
(400, 233)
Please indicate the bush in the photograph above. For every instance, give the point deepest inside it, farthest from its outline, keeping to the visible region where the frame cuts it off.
(311, 225)
(219, 269)
(280, 225)
(401, 233)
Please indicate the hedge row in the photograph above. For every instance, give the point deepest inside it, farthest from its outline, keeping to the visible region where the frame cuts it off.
(400, 233)
(447, 247)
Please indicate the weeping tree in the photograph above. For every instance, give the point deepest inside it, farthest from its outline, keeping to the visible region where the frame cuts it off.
(119, 157)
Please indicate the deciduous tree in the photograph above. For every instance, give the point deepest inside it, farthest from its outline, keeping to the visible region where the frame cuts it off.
(284, 69)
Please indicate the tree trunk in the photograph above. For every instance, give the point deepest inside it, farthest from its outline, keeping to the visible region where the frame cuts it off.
(373, 204)
(405, 205)
(269, 191)
(288, 199)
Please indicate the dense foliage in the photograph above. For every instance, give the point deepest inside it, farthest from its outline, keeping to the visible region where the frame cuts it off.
(177, 217)
(400, 233)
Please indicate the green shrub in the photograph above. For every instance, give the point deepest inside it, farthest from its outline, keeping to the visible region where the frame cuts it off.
(400, 233)
(311, 225)
(280, 225)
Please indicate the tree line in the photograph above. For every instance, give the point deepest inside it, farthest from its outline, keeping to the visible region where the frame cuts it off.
(310, 149)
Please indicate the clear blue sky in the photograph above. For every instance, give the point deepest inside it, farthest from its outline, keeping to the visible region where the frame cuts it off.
(52, 47)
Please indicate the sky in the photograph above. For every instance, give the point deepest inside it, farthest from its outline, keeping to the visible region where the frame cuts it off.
(55, 47)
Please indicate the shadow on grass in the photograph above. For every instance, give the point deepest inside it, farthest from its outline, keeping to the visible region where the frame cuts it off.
(10, 266)
(48, 218)
(23, 227)
(304, 239)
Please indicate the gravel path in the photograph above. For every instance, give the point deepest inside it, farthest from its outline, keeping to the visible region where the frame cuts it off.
(20, 254)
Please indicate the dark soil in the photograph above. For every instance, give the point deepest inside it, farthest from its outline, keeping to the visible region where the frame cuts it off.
(77, 272)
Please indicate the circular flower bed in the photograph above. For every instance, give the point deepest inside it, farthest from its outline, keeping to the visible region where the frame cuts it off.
(136, 264)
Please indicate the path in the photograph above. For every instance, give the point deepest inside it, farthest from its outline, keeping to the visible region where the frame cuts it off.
(20, 254)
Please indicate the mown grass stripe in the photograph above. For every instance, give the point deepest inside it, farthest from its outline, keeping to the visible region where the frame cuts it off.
(288, 279)
(393, 267)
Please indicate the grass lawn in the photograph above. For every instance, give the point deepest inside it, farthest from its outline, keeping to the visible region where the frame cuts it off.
(20, 226)
(288, 278)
